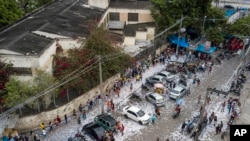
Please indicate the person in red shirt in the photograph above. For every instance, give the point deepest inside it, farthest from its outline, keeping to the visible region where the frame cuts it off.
(178, 109)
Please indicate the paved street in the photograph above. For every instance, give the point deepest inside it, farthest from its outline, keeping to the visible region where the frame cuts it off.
(166, 126)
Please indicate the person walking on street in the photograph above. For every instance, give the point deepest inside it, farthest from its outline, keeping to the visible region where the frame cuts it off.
(131, 87)
(199, 99)
(84, 115)
(66, 119)
(198, 82)
(223, 105)
(183, 126)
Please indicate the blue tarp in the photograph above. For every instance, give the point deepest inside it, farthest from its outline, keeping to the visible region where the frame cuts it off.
(201, 48)
(230, 12)
(182, 41)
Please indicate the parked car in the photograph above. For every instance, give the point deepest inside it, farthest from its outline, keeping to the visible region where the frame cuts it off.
(167, 75)
(94, 131)
(156, 99)
(106, 121)
(155, 79)
(177, 92)
(136, 114)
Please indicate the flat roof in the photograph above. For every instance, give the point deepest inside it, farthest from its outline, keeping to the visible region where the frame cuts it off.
(68, 18)
(131, 4)
(130, 29)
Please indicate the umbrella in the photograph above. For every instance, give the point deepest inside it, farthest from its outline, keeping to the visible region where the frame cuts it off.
(158, 85)
(180, 102)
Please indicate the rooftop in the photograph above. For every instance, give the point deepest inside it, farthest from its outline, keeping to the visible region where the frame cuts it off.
(131, 29)
(130, 4)
(68, 18)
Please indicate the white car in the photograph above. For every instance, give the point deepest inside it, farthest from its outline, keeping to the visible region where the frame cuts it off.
(177, 92)
(136, 114)
(156, 99)
(167, 75)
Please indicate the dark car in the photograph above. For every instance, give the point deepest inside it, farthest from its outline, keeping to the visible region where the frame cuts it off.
(94, 131)
(193, 124)
(106, 121)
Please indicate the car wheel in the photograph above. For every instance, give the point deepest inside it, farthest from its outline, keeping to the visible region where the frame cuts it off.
(140, 122)
(126, 116)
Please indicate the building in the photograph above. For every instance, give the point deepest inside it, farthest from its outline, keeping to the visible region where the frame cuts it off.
(32, 42)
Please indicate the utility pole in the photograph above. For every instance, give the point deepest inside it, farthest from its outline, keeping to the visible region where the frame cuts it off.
(179, 34)
(101, 88)
(201, 116)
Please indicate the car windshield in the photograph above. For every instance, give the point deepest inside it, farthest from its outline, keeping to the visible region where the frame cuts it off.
(140, 113)
(160, 100)
(174, 91)
(170, 75)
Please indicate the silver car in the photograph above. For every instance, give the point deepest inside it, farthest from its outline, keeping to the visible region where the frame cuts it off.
(177, 92)
(156, 99)
(168, 76)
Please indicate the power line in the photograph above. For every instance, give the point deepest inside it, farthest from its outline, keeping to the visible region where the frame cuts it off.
(56, 85)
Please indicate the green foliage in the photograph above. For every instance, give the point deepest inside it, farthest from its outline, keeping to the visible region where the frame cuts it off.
(215, 35)
(27, 6)
(43, 81)
(9, 12)
(17, 92)
(240, 28)
(167, 12)
(98, 43)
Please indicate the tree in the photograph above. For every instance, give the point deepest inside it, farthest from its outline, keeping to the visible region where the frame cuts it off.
(9, 12)
(27, 6)
(239, 28)
(17, 92)
(215, 35)
(167, 12)
(98, 43)
(41, 82)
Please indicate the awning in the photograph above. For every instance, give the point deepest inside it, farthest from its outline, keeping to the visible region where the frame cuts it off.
(116, 25)
(201, 49)
(182, 41)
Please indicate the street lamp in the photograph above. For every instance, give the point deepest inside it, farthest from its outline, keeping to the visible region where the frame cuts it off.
(203, 27)
(179, 34)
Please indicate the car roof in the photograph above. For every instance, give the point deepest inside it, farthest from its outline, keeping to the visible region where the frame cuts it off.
(165, 72)
(157, 76)
(178, 88)
(108, 118)
(133, 108)
(156, 95)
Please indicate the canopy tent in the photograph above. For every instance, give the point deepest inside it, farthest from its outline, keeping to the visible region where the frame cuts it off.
(182, 41)
(202, 49)
(230, 12)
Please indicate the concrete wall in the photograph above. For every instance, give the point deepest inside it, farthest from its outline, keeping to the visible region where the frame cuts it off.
(129, 40)
(21, 61)
(45, 60)
(141, 35)
(67, 44)
(103, 4)
(143, 15)
(32, 122)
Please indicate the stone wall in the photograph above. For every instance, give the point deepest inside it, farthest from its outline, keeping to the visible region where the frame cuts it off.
(32, 122)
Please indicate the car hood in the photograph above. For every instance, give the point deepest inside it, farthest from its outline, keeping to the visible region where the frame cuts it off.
(145, 117)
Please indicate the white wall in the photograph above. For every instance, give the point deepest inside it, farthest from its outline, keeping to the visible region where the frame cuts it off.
(129, 40)
(32, 122)
(21, 61)
(45, 60)
(67, 44)
(141, 35)
(103, 4)
(144, 15)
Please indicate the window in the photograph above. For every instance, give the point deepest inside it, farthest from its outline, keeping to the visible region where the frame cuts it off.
(132, 113)
(133, 17)
(114, 16)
